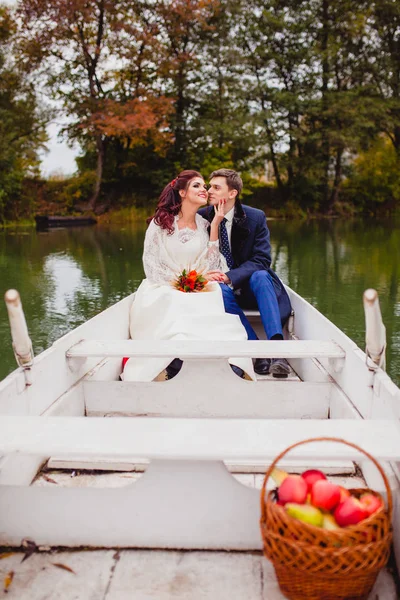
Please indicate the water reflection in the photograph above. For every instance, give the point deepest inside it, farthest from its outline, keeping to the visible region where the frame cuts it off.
(67, 280)
(331, 263)
(66, 276)
(67, 289)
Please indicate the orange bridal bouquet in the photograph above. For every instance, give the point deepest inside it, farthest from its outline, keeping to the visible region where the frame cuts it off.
(191, 281)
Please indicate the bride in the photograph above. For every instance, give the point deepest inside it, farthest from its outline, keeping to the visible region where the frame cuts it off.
(177, 238)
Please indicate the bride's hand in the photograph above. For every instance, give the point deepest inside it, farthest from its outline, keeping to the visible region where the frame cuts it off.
(219, 213)
(218, 218)
(215, 276)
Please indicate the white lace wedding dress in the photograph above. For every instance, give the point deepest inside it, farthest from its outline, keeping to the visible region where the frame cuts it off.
(161, 312)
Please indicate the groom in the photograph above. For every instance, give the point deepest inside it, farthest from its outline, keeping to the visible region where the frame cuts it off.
(249, 283)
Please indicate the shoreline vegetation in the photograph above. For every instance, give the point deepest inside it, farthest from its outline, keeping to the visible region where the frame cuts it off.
(133, 214)
(303, 101)
(69, 196)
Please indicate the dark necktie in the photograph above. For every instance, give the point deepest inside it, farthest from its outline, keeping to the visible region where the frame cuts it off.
(224, 243)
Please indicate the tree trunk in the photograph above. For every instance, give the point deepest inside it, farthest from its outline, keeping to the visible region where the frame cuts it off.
(325, 150)
(275, 167)
(338, 177)
(220, 111)
(291, 156)
(270, 139)
(397, 140)
(99, 172)
(179, 145)
(272, 149)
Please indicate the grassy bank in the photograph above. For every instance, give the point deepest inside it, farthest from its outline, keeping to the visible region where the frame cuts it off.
(125, 215)
(20, 224)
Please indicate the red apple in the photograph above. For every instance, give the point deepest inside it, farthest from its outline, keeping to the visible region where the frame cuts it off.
(370, 503)
(293, 489)
(325, 495)
(349, 512)
(311, 476)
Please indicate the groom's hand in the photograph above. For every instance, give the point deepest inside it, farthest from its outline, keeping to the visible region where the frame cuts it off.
(226, 279)
(218, 276)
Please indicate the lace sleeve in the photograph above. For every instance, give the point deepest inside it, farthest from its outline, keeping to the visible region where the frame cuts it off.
(157, 270)
(213, 259)
(213, 256)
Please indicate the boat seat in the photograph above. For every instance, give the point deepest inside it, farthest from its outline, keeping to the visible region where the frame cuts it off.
(205, 362)
(195, 439)
(190, 349)
(186, 499)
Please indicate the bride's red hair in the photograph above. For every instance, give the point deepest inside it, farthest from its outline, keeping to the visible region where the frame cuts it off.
(170, 201)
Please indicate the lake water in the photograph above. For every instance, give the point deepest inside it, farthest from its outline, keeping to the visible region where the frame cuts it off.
(66, 276)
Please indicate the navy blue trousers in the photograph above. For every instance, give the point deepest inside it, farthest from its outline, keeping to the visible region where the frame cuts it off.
(257, 294)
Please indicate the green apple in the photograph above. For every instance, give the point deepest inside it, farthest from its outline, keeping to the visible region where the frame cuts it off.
(329, 522)
(305, 512)
(278, 475)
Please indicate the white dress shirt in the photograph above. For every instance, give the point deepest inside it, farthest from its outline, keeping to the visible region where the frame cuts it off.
(229, 220)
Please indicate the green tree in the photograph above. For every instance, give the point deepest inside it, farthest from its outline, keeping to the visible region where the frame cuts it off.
(374, 179)
(338, 116)
(22, 123)
(383, 65)
(305, 73)
(182, 27)
(221, 130)
(277, 51)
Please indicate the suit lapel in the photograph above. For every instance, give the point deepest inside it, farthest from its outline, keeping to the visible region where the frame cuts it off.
(240, 231)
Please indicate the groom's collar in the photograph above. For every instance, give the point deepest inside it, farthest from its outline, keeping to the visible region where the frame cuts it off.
(230, 214)
(239, 216)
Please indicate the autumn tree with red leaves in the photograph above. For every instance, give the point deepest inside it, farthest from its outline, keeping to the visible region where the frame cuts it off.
(75, 46)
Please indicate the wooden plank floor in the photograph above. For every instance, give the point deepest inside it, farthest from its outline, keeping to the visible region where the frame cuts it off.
(149, 575)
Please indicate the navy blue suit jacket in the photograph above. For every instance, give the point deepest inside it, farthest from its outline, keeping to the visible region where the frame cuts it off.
(251, 251)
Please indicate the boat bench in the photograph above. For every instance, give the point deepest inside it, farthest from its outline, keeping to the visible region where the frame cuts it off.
(206, 362)
(186, 499)
(199, 349)
(195, 439)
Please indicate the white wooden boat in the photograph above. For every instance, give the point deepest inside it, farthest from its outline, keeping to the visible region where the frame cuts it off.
(179, 479)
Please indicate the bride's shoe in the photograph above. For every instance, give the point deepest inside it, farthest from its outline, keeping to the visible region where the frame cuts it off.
(175, 366)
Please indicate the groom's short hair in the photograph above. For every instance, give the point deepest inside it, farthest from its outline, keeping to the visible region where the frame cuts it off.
(233, 179)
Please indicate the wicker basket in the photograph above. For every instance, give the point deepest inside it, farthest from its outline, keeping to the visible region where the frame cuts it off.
(312, 563)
